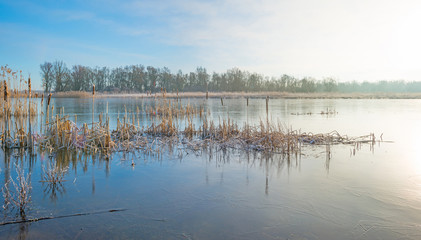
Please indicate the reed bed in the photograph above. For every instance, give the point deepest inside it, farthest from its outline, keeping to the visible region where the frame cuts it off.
(59, 132)
(16, 95)
(62, 133)
(267, 136)
(18, 109)
(172, 108)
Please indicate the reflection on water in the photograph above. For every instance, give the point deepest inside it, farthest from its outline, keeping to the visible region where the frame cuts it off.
(326, 192)
(52, 180)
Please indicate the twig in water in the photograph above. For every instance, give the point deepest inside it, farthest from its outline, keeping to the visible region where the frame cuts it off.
(63, 216)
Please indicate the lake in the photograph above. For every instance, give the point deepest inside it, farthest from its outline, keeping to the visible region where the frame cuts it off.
(235, 194)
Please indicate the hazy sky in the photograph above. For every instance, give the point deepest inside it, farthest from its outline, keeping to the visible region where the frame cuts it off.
(345, 39)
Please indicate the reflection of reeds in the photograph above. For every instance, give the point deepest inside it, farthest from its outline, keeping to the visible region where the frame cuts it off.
(53, 174)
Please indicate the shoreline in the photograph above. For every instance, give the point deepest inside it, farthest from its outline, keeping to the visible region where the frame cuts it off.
(274, 95)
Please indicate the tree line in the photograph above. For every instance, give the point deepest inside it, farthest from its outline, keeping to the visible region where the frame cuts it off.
(57, 77)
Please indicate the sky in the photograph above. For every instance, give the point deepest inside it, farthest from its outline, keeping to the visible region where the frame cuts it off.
(362, 40)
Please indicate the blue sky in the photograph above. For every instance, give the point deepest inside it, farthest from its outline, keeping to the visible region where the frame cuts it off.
(348, 40)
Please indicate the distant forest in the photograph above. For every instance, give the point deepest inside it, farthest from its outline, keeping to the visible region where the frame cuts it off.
(56, 76)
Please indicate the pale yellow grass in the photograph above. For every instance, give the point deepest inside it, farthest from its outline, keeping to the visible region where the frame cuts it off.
(72, 94)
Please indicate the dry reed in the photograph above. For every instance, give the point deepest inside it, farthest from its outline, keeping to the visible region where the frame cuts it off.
(165, 114)
(20, 196)
(61, 133)
(72, 94)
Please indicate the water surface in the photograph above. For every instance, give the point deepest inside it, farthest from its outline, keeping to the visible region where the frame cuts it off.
(180, 194)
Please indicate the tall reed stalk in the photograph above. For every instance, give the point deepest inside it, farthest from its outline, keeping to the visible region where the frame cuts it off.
(93, 105)
(6, 122)
(29, 117)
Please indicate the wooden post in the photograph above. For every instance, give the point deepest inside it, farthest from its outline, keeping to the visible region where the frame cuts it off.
(48, 111)
(267, 104)
(267, 109)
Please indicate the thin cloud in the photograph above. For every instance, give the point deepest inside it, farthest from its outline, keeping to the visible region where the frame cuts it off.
(362, 40)
(319, 38)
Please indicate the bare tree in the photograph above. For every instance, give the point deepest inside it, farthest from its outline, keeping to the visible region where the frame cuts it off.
(152, 78)
(236, 79)
(100, 77)
(82, 78)
(117, 78)
(202, 78)
(137, 77)
(77, 77)
(165, 78)
(192, 81)
(61, 76)
(254, 82)
(47, 76)
(180, 80)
